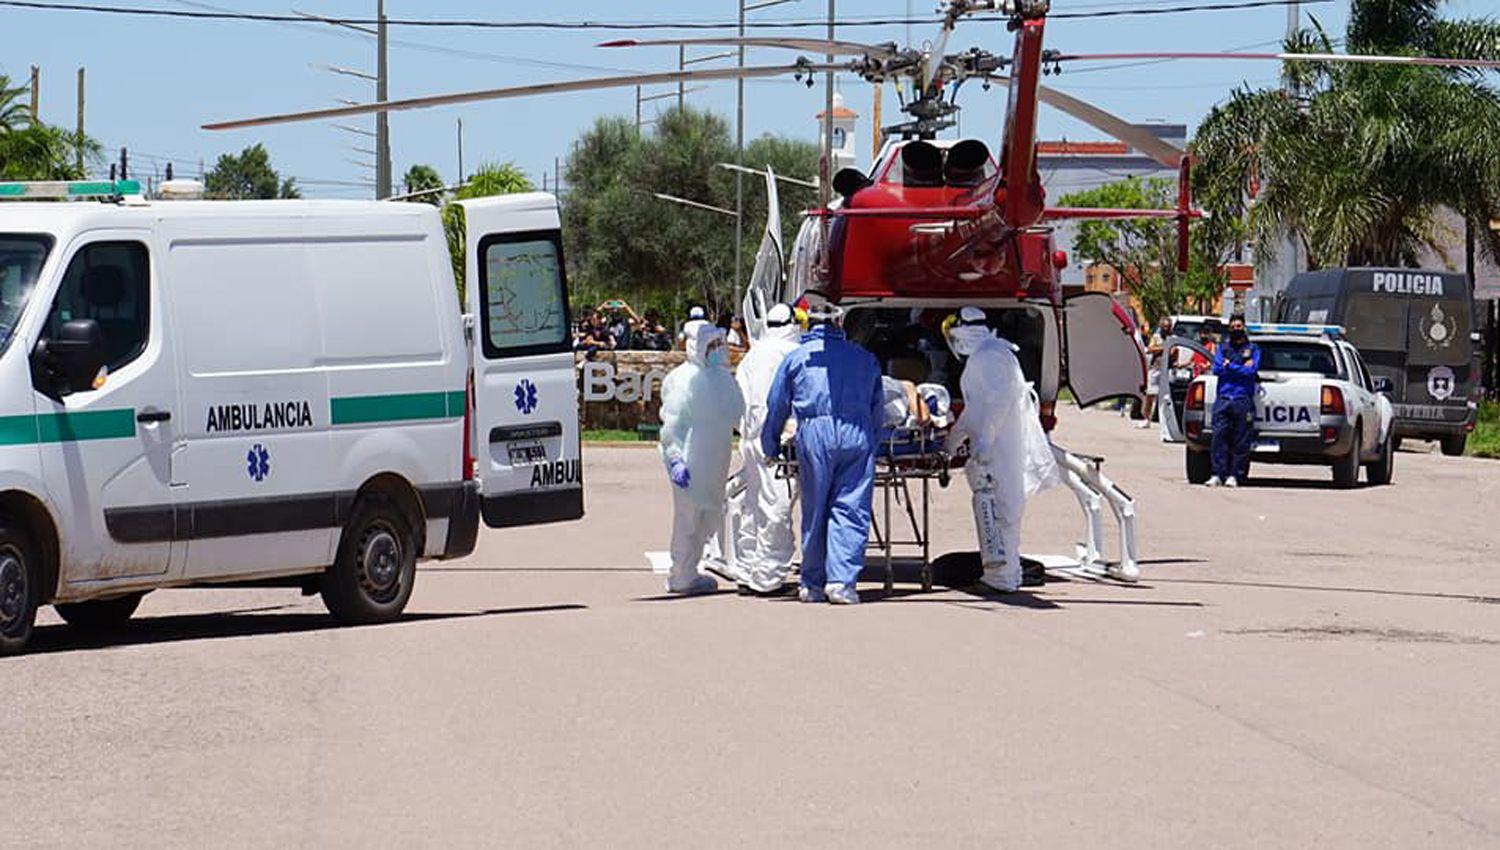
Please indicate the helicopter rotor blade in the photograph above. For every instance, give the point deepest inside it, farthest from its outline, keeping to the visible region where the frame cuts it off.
(1351, 58)
(749, 71)
(1139, 138)
(819, 46)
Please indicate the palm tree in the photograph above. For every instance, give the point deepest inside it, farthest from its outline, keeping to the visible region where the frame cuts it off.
(491, 179)
(1359, 162)
(14, 111)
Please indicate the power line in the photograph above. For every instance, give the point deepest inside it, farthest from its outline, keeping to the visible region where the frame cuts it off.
(262, 17)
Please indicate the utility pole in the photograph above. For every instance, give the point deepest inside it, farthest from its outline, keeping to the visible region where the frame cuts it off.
(78, 141)
(681, 85)
(382, 119)
(460, 180)
(36, 92)
(637, 110)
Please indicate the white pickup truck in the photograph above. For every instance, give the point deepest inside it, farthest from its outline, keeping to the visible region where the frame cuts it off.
(1316, 404)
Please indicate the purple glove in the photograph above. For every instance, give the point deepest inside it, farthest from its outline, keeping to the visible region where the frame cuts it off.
(679, 474)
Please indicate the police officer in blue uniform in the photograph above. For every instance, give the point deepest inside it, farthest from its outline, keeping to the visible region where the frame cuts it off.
(1236, 365)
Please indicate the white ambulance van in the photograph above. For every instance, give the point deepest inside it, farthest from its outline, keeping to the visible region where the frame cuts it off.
(276, 392)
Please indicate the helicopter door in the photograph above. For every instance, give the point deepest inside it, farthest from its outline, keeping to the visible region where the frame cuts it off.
(1104, 357)
(1183, 359)
(766, 279)
(525, 433)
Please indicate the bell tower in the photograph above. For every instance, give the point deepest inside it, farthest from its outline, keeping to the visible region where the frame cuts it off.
(844, 120)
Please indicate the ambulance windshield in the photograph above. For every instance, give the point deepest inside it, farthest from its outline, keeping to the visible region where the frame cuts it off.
(21, 258)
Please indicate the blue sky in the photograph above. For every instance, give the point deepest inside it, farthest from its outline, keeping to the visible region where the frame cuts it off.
(152, 82)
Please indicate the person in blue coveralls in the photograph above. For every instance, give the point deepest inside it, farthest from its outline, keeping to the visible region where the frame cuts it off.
(833, 387)
(1236, 365)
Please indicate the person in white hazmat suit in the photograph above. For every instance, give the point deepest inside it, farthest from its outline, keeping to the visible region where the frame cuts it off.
(765, 542)
(700, 405)
(1009, 456)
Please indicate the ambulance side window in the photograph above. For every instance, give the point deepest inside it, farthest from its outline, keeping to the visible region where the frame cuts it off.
(109, 282)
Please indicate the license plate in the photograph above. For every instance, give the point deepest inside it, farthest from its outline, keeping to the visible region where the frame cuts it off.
(525, 454)
(1267, 446)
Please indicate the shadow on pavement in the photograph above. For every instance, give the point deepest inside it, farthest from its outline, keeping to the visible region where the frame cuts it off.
(1376, 591)
(1258, 482)
(173, 628)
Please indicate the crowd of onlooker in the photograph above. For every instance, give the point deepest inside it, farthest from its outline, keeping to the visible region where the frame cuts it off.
(616, 327)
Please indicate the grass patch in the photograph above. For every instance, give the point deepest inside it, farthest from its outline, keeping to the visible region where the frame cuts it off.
(610, 435)
(1485, 441)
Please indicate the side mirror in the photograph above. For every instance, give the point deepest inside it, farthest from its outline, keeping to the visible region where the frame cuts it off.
(1384, 385)
(70, 361)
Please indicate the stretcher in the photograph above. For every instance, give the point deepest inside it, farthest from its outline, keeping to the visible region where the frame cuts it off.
(907, 462)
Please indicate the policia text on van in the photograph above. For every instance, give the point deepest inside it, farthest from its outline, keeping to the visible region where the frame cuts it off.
(1412, 326)
(270, 392)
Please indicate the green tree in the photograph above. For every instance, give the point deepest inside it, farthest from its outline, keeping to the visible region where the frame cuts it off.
(248, 175)
(491, 179)
(1357, 162)
(1143, 252)
(44, 152)
(15, 111)
(424, 178)
(622, 242)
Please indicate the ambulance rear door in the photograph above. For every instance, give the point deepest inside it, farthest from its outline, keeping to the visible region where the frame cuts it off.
(525, 420)
(1104, 357)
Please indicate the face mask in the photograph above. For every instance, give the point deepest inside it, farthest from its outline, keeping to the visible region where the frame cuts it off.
(1238, 337)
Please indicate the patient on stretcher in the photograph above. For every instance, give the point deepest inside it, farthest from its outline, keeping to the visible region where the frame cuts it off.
(915, 414)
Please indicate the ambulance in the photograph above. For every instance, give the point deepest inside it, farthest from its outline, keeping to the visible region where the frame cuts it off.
(270, 393)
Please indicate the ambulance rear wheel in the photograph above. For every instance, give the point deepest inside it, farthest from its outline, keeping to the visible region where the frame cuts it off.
(20, 586)
(371, 580)
(99, 615)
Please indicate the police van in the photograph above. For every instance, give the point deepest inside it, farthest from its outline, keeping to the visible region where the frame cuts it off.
(270, 392)
(1413, 327)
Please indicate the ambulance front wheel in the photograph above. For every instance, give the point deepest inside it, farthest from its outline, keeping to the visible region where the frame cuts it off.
(20, 586)
(372, 578)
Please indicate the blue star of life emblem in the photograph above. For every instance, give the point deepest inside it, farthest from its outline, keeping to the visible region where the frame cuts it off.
(259, 462)
(526, 399)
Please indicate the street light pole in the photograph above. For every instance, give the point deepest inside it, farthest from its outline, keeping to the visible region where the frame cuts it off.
(382, 119)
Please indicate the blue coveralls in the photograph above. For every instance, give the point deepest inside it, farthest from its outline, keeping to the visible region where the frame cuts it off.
(1234, 408)
(833, 387)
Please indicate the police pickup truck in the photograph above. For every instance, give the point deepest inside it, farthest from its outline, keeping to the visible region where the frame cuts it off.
(1316, 404)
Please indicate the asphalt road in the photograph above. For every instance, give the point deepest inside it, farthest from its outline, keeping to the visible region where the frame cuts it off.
(1298, 667)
